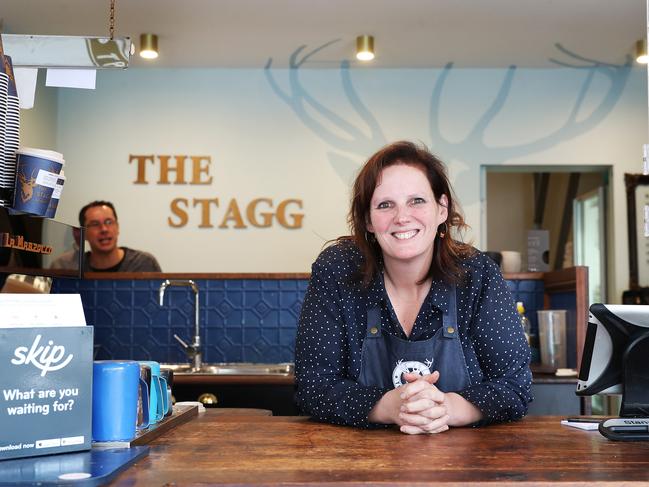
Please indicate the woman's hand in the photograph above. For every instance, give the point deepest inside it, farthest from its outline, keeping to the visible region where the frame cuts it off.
(423, 398)
(424, 408)
(416, 407)
(420, 407)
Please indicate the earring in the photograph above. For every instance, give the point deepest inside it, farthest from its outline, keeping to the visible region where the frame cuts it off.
(442, 233)
(369, 237)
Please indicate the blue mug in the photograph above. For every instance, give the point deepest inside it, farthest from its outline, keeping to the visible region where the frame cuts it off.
(115, 385)
(158, 399)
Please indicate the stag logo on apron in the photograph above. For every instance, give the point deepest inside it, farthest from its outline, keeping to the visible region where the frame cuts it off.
(411, 367)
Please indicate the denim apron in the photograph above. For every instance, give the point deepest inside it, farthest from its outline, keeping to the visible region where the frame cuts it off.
(385, 358)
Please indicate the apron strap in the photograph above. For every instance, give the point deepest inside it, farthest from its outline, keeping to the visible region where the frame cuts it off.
(449, 319)
(373, 322)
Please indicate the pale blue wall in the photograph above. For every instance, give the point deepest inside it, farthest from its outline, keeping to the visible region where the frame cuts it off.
(302, 133)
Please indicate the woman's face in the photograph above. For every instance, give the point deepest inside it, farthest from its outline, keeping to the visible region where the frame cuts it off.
(404, 214)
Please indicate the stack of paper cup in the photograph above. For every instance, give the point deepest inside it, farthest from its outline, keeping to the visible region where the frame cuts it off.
(12, 128)
(37, 175)
(6, 184)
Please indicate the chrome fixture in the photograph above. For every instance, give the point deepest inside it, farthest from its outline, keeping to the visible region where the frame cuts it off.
(78, 52)
(193, 350)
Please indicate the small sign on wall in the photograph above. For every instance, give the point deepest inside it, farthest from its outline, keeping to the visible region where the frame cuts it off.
(538, 250)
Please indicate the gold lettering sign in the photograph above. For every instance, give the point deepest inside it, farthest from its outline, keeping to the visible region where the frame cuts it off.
(209, 212)
(18, 242)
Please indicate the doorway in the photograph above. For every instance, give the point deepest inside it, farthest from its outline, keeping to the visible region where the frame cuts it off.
(569, 202)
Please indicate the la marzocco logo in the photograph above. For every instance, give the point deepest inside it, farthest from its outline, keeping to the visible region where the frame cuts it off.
(47, 358)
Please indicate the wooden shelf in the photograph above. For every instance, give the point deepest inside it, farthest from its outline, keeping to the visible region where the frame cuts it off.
(193, 275)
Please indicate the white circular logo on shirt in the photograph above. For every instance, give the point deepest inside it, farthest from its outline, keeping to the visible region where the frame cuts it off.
(412, 367)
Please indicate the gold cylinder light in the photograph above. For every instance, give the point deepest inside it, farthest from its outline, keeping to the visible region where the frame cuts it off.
(365, 48)
(149, 46)
(641, 52)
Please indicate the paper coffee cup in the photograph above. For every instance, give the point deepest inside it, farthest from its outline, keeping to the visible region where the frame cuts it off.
(37, 172)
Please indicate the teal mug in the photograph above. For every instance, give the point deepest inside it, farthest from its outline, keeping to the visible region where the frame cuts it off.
(158, 398)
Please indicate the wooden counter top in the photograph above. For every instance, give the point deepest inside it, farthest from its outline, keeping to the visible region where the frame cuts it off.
(260, 450)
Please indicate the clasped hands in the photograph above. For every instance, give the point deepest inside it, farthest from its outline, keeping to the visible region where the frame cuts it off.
(417, 407)
(422, 407)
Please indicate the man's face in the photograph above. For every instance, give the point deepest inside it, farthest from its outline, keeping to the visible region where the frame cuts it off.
(102, 229)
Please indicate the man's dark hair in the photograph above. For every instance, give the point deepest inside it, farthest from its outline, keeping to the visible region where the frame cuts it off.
(82, 212)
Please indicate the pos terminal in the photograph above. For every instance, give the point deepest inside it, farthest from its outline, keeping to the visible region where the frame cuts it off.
(615, 361)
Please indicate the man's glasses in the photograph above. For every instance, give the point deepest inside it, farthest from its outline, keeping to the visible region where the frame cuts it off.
(109, 222)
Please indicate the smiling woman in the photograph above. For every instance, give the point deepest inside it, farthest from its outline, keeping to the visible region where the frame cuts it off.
(402, 324)
(404, 216)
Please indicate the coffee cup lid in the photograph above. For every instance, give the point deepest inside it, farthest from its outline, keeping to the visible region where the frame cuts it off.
(42, 153)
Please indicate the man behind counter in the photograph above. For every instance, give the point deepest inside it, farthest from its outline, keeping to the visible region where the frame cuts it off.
(102, 229)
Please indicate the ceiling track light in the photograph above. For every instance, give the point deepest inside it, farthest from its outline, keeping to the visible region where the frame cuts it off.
(148, 46)
(641, 52)
(365, 48)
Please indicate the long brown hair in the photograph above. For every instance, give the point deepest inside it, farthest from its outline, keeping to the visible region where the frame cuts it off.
(447, 252)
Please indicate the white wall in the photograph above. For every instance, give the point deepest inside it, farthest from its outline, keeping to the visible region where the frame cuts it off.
(269, 140)
(510, 212)
(38, 125)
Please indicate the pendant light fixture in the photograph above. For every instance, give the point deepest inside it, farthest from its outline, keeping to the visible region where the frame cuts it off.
(148, 46)
(365, 48)
(641, 52)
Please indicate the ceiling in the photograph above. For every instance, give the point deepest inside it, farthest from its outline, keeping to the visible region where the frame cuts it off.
(408, 33)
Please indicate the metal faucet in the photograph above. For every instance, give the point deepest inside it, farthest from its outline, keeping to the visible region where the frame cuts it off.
(193, 350)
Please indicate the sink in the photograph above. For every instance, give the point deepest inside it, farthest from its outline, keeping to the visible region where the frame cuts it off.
(233, 368)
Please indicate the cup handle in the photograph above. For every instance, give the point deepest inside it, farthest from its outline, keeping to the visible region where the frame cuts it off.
(169, 402)
(165, 396)
(144, 391)
(155, 382)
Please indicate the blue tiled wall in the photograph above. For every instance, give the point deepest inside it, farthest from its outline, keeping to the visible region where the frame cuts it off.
(242, 320)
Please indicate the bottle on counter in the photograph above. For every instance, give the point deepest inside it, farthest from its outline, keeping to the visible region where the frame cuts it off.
(527, 326)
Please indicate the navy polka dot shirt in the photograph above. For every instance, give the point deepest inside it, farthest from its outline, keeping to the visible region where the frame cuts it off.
(332, 327)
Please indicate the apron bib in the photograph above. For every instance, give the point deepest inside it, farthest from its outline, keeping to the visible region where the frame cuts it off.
(385, 358)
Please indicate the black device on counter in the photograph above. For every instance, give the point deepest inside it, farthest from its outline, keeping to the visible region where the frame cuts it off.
(614, 361)
(625, 429)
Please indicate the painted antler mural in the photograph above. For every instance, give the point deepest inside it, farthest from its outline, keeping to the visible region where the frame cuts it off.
(474, 144)
(462, 155)
(333, 129)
